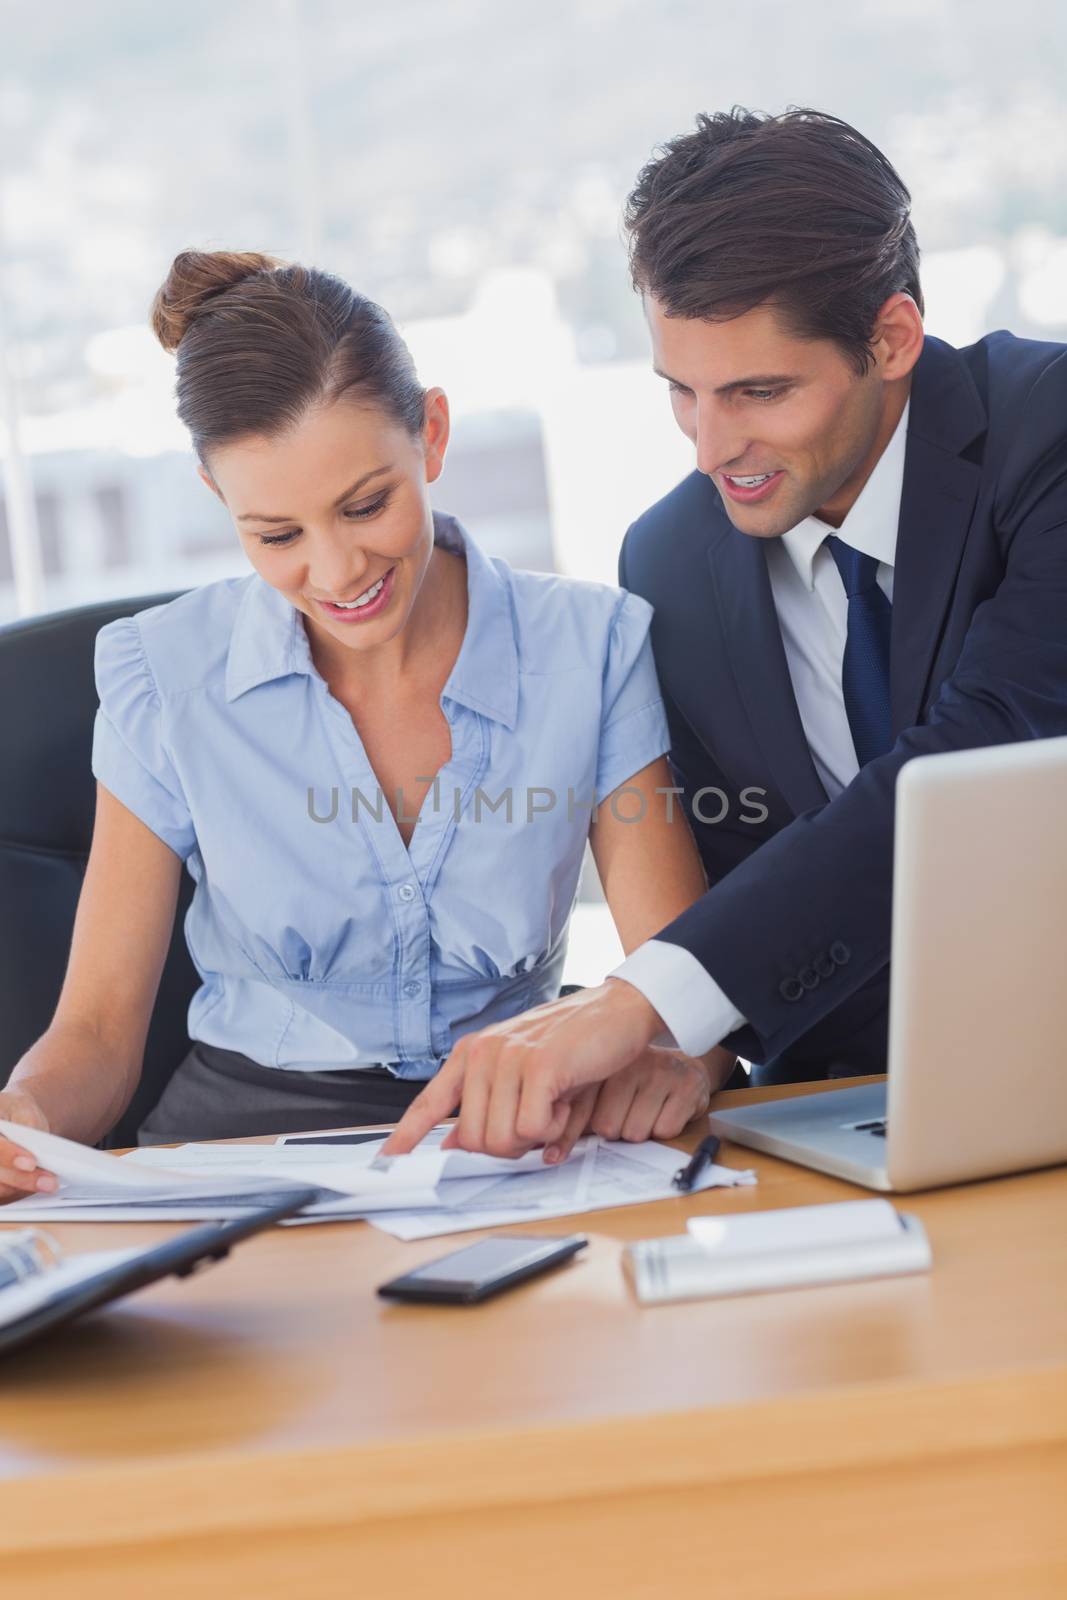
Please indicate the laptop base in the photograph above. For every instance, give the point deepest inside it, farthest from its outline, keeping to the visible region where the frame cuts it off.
(818, 1130)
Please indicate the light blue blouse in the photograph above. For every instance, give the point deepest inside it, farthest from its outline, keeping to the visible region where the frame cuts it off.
(320, 939)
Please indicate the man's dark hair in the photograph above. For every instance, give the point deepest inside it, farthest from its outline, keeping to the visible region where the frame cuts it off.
(797, 210)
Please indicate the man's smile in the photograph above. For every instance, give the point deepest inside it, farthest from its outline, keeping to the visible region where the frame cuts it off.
(750, 487)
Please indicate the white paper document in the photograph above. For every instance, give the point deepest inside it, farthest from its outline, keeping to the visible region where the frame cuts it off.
(472, 1191)
(431, 1191)
(215, 1181)
(599, 1175)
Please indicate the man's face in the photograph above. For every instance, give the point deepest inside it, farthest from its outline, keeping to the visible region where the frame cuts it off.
(761, 404)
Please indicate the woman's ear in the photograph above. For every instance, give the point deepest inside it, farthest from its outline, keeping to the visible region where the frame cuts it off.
(435, 433)
(209, 480)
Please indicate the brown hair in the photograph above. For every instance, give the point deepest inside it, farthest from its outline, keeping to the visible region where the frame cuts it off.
(798, 210)
(260, 341)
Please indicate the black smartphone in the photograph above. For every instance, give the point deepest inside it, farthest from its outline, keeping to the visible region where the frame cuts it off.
(464, 1277)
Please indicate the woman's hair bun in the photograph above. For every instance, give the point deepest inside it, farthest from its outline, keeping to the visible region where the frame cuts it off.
(195, 279)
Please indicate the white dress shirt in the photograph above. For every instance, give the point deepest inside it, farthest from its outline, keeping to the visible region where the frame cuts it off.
(812, 608)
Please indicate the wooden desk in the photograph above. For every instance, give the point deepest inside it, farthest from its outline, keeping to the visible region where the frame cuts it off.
(272, 1428)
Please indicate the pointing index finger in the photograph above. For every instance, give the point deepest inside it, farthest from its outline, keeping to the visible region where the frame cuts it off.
(425, 1111)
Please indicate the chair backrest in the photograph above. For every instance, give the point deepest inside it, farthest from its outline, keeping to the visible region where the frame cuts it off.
(47, 803)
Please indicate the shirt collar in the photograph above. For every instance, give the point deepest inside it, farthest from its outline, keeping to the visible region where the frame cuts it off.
(871, 525)
(268, 640)
(485, 676)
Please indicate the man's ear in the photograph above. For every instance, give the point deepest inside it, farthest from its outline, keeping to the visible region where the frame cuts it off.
(209, 480)
(898, 335)
(435, 433)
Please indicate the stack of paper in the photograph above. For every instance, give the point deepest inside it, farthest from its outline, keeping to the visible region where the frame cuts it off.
(431, 1191)
(598, 1175)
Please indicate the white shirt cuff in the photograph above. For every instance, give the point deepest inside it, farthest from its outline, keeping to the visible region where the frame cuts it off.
(692, 1005)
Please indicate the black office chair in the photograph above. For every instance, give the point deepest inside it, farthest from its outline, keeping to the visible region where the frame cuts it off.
(47, 802)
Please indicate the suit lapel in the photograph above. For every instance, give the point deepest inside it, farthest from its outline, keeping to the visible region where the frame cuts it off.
(757, 657)
(936, 503)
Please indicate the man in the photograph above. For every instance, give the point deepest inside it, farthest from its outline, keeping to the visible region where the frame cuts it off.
(869, 564)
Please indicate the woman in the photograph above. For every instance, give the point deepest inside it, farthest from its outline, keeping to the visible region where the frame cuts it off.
(378, 756)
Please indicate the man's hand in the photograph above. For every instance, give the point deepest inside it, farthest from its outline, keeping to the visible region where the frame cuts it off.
(523, 1082)
(655, 1097)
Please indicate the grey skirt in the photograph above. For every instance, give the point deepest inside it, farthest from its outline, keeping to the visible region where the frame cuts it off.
(221, 1094)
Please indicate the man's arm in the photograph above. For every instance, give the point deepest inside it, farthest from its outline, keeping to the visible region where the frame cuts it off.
(793, 931)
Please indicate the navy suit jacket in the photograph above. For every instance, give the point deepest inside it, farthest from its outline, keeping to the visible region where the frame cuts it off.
(795, 925)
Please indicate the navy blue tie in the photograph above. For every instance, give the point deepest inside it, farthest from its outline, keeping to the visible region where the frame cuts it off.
(865, 670)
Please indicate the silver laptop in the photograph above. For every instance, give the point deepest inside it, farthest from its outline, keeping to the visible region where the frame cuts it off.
(977, 1070)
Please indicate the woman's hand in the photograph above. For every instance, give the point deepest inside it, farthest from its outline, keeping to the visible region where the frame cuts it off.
(655, 1097)
(19, 1173)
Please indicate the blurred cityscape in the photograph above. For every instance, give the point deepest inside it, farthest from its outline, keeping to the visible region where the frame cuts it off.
(467, 167)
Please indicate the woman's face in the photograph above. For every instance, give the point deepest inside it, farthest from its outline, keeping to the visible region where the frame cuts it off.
(336, 515)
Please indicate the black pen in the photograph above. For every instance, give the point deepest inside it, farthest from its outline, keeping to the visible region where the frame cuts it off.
(705, 1152)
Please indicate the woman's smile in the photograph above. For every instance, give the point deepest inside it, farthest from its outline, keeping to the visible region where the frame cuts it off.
(371, 603)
